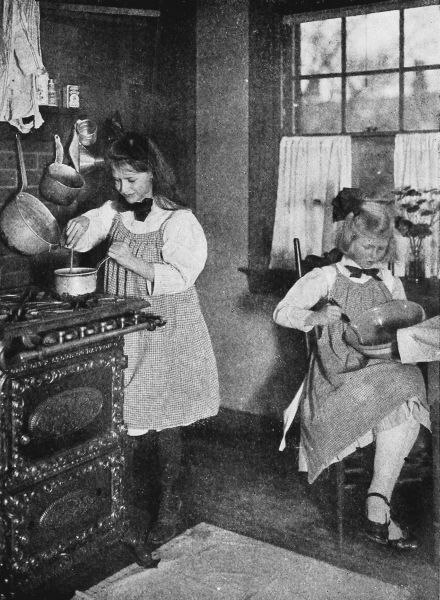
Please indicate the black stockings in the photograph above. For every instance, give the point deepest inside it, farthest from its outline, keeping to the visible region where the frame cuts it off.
(169, 453)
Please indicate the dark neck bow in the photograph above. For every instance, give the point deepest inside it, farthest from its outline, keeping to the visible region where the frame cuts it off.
(142, 209)
(357, 272)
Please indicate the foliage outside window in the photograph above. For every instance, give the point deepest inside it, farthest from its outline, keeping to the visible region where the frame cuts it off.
(355, 73)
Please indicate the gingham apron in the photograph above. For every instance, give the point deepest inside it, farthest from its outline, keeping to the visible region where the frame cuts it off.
(347, 394)
(171, 378)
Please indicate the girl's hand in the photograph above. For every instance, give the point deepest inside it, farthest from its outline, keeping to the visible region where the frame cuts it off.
(75, 230)
(121, 253)
(325, 316)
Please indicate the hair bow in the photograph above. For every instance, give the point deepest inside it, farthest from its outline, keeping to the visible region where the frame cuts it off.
(348, 200)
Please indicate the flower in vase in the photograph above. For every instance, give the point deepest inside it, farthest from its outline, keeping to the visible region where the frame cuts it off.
(418, 211)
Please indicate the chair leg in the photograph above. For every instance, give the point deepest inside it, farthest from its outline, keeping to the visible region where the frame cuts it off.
(340, 482)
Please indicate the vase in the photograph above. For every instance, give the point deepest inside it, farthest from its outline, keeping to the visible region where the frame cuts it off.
(415, 269)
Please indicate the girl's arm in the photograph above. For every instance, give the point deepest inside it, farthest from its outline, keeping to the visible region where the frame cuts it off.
(88, 230)
(295, 309)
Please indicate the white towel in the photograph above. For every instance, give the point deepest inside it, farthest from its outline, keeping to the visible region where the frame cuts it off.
(20, 64)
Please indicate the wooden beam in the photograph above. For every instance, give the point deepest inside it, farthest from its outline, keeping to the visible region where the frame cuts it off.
(101, 10)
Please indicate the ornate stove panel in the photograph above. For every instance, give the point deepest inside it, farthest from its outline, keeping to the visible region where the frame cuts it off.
(61, 443)
(63, 411)
(45, 525)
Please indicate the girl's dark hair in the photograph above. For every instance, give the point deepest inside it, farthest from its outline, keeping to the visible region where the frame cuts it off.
(374, 220)
(142, 154)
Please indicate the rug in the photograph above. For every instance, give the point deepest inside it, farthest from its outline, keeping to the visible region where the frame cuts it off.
(209, 563)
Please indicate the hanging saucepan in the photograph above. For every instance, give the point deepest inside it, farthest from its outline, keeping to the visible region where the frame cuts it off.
(61, 184)
(77, 281)
(26, 224)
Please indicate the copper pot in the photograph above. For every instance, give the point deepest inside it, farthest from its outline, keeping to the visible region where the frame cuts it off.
(61, 184)
(26, 223)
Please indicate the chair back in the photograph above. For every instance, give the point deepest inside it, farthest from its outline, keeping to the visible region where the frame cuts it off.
(299, 272)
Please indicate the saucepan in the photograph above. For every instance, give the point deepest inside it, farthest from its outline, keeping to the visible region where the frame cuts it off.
(77, 281)
(374, 333)
(26, 223)
(60, 184)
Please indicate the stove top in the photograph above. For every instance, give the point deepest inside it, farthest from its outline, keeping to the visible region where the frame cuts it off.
(34, 323)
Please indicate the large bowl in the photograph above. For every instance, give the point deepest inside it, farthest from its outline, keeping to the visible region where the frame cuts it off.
(374, 333)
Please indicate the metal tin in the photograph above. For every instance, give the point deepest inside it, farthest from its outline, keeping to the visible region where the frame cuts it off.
(71, 96)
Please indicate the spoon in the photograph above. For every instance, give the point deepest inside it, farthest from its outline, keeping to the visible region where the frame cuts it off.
(346, 319)
(71, 260)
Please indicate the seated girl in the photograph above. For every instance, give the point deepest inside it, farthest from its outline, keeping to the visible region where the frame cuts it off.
(349, 400)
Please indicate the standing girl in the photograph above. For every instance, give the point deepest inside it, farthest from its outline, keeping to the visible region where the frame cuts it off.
(157, 250)
(350, 400)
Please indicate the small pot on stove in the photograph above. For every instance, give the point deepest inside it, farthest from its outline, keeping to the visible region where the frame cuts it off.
(77, 281)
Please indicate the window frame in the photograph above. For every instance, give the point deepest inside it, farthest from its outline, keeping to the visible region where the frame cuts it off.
(290, 113)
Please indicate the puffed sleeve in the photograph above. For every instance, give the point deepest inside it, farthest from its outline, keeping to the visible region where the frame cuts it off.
(100, 221)
(295, 307)
(184, 253)
(394, 284)
(398, 291)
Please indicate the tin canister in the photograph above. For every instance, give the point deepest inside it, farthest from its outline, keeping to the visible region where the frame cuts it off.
(71, 96)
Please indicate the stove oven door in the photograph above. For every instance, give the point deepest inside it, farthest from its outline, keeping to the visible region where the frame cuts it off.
(49, 526)
(65, 413)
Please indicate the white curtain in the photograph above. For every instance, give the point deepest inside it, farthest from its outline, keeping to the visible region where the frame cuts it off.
(312, 170)
(417, 164)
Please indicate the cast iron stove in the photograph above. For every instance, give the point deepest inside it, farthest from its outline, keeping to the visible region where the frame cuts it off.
(34, 324)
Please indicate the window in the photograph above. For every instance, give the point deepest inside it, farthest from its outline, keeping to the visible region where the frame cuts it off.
(349, 72)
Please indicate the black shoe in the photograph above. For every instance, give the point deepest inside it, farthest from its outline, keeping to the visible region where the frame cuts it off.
(165, 527)
(406, 542)
(376, 532)
(141, 551)
(379, 532)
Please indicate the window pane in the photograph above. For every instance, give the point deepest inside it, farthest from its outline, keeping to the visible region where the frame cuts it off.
(422, 27)
(321, 47)
(421, 100)
(373, 103)
(321, 105)
(373, 41)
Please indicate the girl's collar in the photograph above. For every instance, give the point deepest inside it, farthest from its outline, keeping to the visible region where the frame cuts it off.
(349, 261)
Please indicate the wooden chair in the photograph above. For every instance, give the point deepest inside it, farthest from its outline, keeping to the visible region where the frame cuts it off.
(339, 467)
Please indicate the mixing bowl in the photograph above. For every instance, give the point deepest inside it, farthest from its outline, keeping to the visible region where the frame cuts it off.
(374, 333)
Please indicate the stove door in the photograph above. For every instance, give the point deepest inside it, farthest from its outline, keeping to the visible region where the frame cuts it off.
(63, 415)
(46, 525)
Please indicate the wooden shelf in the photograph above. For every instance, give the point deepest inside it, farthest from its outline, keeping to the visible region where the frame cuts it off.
(56, 120)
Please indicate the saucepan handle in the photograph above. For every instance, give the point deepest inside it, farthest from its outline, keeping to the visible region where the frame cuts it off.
(101, 262)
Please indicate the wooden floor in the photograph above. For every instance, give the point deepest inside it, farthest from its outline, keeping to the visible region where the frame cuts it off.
(234, 477)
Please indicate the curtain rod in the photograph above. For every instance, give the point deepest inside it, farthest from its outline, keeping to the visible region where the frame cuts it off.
(102, 10)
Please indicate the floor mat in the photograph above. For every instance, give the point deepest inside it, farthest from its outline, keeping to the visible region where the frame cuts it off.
(209, 563)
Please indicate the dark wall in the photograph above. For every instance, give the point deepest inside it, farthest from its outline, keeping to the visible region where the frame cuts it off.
(142, 67)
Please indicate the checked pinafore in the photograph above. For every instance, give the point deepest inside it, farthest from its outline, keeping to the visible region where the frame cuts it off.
(171, 378)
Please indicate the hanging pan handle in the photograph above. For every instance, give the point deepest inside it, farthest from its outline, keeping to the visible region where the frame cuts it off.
(59, 150)
(23, 177)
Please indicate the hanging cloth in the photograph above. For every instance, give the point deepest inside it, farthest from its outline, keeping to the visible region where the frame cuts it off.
(20, 64)
(417, 164)
(312, 170)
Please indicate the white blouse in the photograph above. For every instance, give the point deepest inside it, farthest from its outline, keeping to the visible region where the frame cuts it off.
(295, 307)
(184, 251)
